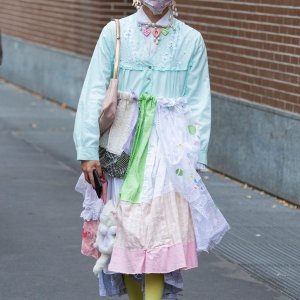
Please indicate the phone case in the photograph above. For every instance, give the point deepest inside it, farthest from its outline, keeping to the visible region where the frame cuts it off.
(98, 183)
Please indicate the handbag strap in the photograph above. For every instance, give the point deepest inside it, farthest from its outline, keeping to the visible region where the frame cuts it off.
(117, 53)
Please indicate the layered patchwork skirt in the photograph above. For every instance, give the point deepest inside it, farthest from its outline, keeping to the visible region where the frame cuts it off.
(165, 215)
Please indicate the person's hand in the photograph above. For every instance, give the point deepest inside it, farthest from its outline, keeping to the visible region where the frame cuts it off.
(87, 167)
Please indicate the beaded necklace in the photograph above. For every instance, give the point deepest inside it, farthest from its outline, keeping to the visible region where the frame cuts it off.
(156, 30)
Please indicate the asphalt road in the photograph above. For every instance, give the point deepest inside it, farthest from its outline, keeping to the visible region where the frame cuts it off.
(40, 229)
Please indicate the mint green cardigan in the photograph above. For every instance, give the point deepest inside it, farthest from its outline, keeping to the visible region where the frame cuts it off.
(178, 67)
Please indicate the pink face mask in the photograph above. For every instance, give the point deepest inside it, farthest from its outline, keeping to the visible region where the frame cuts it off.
(157, 6)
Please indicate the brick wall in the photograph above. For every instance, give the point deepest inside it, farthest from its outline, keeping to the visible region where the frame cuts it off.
(253, 46)
(72, 25)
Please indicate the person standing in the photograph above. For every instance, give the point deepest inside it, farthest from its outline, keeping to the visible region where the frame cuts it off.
(165, 214)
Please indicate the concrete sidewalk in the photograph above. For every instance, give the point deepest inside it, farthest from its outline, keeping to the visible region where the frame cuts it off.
(41, 230)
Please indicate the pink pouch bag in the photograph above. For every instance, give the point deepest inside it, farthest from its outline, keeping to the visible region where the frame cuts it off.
(89, 228)
(89, 234)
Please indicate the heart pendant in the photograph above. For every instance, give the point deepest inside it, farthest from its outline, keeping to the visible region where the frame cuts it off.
(156, 32)
(165, 31)
(146, 31)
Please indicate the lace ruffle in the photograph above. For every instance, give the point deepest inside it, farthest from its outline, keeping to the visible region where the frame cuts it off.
(92, 204)
(180, 146)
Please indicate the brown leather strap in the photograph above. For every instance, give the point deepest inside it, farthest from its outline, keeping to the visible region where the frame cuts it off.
(117, 53)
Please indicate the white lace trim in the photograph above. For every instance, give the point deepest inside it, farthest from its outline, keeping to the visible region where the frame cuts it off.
(92, 204)
(180, 147)
(132, 56)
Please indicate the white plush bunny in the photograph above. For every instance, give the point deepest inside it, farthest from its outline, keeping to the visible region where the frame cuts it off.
(106, 234)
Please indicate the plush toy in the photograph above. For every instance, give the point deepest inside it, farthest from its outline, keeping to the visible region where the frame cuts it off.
(105, 236)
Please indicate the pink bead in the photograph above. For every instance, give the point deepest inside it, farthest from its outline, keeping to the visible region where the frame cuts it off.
(156, 32)
(146, 31)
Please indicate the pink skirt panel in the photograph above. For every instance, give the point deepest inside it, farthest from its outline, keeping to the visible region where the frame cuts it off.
(157, 260)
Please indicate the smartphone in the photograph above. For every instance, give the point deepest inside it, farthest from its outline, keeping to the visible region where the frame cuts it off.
(98, 184)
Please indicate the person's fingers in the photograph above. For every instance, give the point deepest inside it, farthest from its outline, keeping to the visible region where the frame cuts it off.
(86, 176)
(91, 177)
(84, 170)
(88, 167)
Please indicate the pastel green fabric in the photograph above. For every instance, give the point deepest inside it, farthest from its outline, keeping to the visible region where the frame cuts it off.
(134, 177)
(177, 68)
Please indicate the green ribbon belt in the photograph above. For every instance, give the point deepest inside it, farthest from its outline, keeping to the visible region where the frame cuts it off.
(134, 177)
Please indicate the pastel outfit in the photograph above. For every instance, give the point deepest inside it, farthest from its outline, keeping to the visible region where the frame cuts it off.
(165, 215)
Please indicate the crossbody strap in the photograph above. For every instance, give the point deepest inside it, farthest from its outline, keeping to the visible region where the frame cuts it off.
(117, 53)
